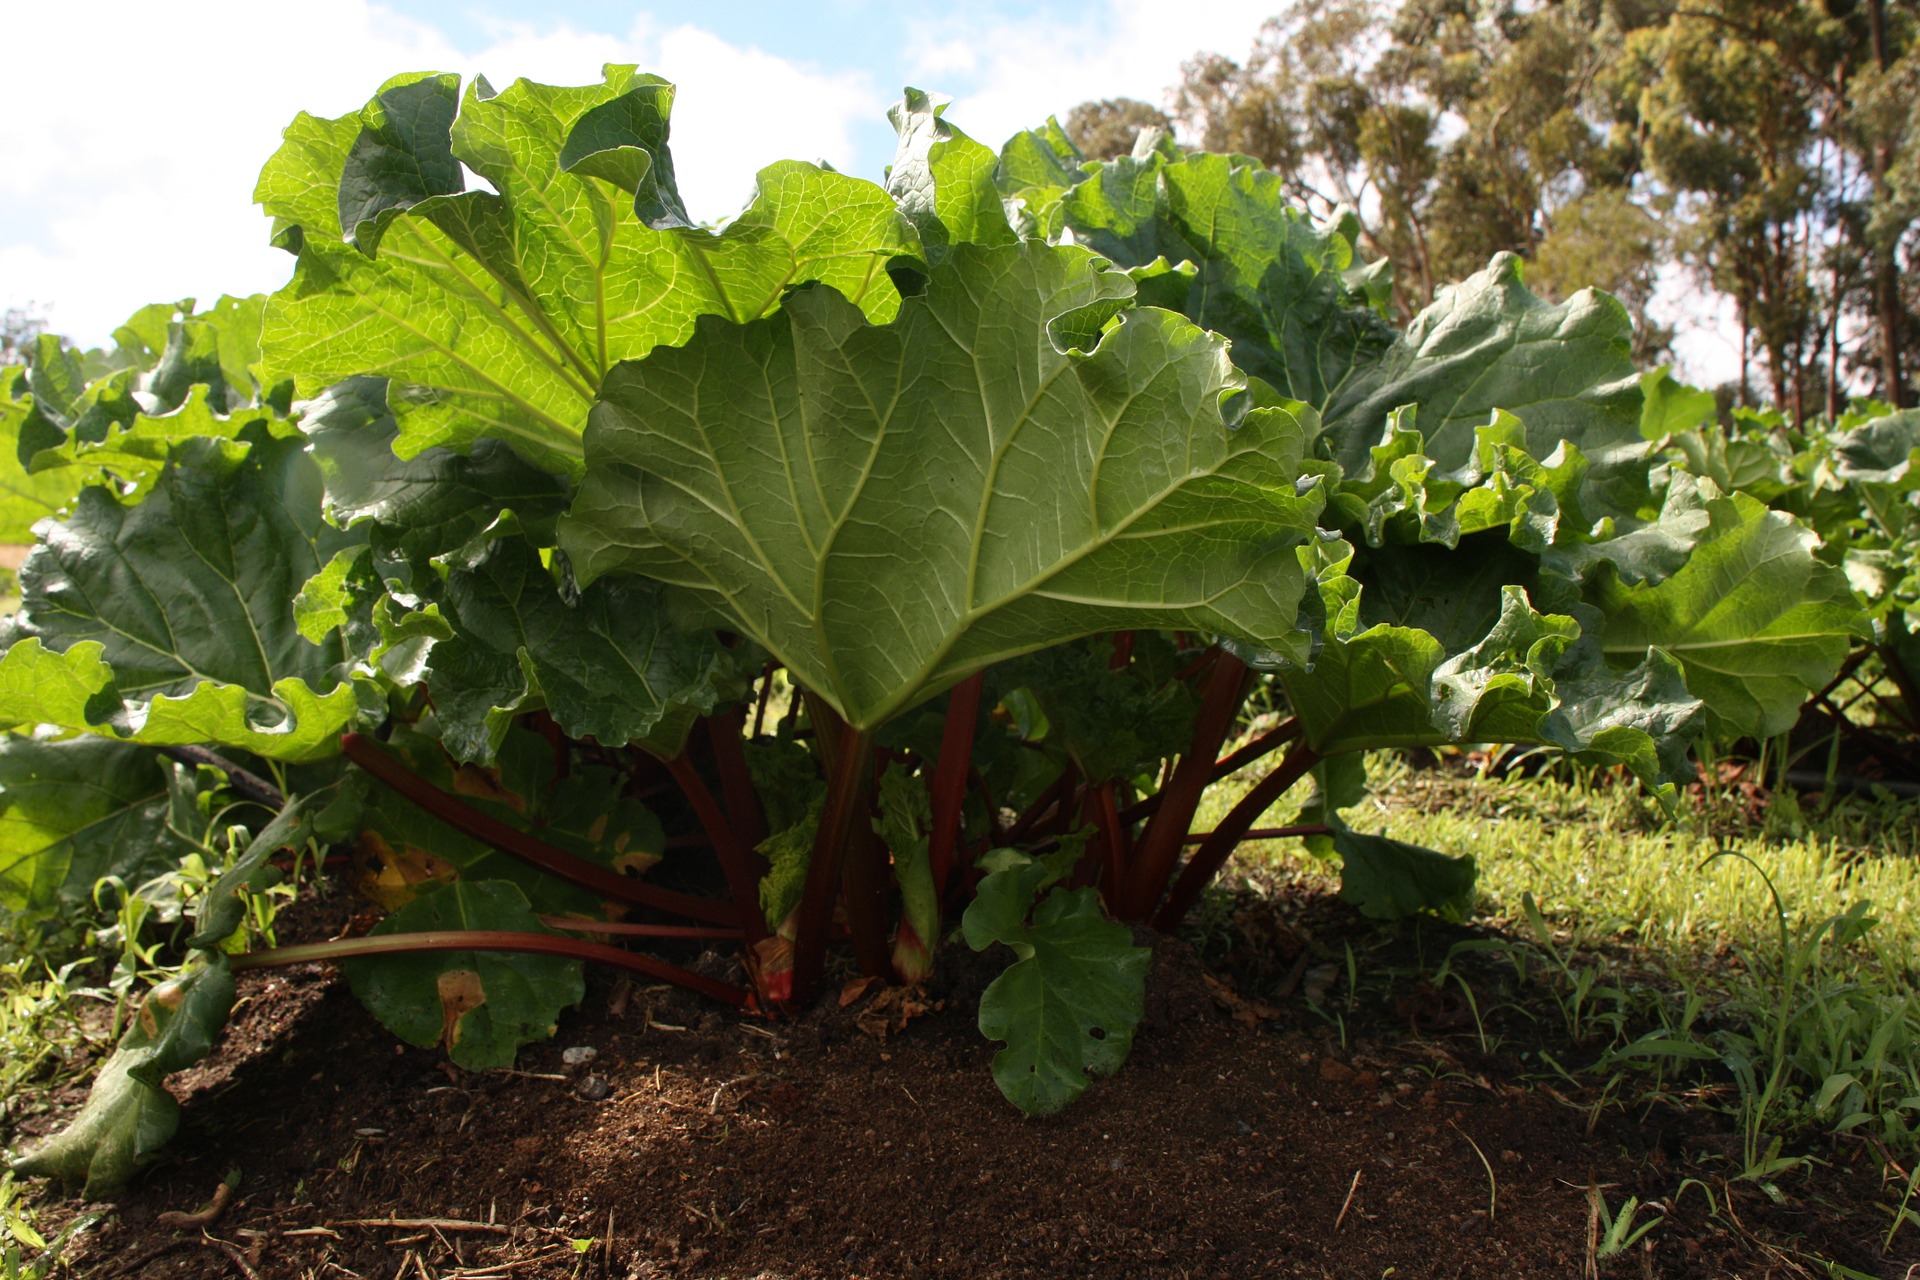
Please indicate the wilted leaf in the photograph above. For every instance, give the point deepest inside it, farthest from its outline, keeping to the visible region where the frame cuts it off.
(129, 1115)
(482, 1005)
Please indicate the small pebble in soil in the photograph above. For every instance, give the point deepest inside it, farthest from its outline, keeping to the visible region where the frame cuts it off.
(579, 1055)
(595, 1088)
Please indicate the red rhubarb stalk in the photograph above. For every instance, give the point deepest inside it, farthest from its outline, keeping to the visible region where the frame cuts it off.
(864, 881)
(1044, 807)
(1103, 811)
(1219, 845)
(1266, 744)
(849, 773)
(518, 844)
(743, 881)
(627, 929)
(736, 783)
(1158, 852)
(950, 778)
(539, 944)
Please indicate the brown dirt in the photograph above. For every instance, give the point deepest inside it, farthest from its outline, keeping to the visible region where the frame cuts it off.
(732, 1147)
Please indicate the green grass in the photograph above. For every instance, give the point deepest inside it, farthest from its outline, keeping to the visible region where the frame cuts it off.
(1660, 944)
(44, 1042)
(27, 1252)
(40, 1024)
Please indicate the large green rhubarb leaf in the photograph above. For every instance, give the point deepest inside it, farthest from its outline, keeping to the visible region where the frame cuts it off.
(1756, 621)
(1255, 268)
(416, 509)
(497, 313)
(171, 620)
(1018, 460)
(482, 1005)
(607, 662)
(72, 812)
(129, 1115)
(1564, 370)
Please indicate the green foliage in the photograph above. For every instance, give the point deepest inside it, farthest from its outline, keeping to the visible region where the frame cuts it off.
(498, 313)
(1483, 345)
(568, 476)
(74, 812)
(225, 904)
(1217, 239)
(168, 620)
(941, 519)
(25, 499)
(1115, 720)
(72, 419)
(435, 502)
(1753, 618)
(129, 1115)
(481, 1005)
(1388, 879)
(607, 662)
(1068, 1005)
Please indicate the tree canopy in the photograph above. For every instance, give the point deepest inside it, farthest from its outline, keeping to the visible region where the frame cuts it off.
(1766, 150)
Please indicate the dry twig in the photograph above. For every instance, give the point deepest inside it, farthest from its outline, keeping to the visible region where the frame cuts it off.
(1348, 1202)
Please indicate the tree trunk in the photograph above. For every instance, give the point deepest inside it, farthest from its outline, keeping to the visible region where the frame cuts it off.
(1746, 356)
(1889, 312)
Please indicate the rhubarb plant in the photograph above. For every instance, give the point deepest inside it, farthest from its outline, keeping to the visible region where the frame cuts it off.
(611, 589)
(1852, 480)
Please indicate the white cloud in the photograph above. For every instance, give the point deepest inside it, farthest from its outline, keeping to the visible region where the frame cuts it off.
(131, 179)
(1024, 70)
(738, 110)
(1706, 342)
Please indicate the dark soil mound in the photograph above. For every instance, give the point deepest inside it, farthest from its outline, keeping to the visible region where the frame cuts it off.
(697, 1143)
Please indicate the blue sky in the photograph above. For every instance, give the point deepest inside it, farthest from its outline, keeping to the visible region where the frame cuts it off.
(831, 36)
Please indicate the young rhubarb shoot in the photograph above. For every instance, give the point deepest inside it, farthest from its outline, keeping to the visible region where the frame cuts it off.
(906, 813)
